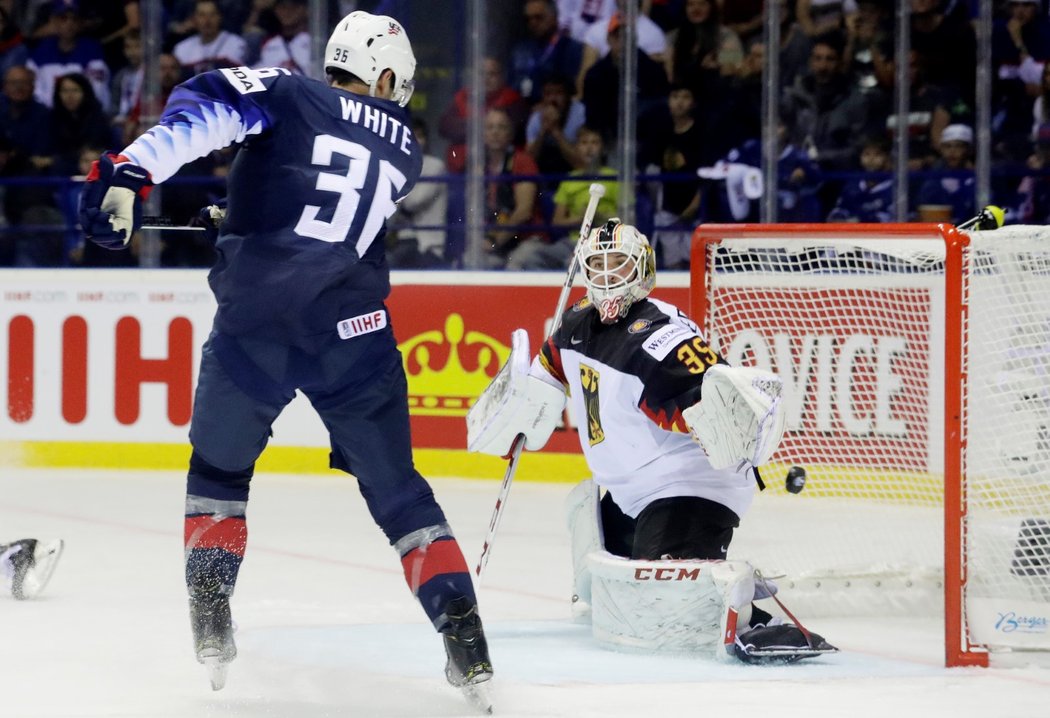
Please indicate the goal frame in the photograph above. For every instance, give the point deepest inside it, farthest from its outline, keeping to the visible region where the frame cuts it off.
(959, 651)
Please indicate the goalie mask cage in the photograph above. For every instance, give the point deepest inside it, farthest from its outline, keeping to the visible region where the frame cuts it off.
(916, 368)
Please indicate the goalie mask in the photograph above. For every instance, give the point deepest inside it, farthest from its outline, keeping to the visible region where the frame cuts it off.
(364, 45)
(619, 268)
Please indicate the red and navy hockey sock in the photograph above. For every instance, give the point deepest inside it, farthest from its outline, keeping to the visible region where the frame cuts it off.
(435, 571)
(215, 537)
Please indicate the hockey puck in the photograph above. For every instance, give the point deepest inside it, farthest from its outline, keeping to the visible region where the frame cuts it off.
(796, 479)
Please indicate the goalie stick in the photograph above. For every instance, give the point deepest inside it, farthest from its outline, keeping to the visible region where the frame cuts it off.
(597, 191)
(167, 223)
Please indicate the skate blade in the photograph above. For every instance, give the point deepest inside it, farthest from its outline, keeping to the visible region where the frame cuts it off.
(479, 695)
(45, 559)
(216, 672)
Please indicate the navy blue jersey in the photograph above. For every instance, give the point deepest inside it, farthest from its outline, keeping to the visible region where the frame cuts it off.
(309, 194)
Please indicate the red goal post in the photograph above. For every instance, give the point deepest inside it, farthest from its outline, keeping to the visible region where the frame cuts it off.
(916, 360)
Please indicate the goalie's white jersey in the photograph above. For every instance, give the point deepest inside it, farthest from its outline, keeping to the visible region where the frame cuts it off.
(628, 383)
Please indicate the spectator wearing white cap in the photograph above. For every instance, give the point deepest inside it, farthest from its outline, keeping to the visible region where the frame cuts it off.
(950, 197)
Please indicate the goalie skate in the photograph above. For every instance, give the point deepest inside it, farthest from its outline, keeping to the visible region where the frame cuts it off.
(784, 643)
(468, 667)
(33, 563)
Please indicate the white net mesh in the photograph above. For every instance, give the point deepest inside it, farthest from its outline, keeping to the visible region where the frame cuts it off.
(1007, 424)
(855, 326)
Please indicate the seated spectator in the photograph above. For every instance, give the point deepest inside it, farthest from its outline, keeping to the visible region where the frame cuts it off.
(570, 204)
(1020, 45)
(870, 198)
(701, 45)
(817, 17)
(575, 17)
(545, 52)
(77, 120)
(743, 17)
(648, 35)
(799, 180)
(237, 15)
(211, 47)
(1041, 106)
(290, 46)
(928, 113)
(1033, 192)
(24, 123)
(680, 150)
(509, 202)
(826, 106)
(951, 198)
(141, 118)
(425, 206)
(498, 95)
(550, 133)
(127, 81)
(13, 50)
(601, 86)
(68, 52)
(873, 21)
(932, 32)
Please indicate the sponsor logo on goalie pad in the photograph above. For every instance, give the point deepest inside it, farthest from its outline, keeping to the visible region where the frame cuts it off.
(361, 324)
(664, 339)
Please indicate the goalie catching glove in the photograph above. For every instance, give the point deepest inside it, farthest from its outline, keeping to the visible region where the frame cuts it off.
(514, 403)
(740, 416)
(111, 205)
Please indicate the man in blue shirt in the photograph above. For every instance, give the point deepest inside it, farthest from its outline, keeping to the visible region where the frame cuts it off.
(301, 279)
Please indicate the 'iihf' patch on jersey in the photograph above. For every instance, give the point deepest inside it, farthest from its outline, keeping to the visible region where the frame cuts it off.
(582, 304)
(638, 326)
(361, 324)
(664, 339)
(244, 79)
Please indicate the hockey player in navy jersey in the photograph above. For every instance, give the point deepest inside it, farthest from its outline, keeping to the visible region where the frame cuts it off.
(301, 279)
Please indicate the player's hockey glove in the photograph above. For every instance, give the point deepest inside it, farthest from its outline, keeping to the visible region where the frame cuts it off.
(111, 205)
(210, 218)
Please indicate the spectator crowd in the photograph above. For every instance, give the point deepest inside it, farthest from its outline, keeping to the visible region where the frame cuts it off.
(72, 80)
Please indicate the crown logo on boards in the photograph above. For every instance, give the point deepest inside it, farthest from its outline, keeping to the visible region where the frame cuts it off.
(468, 361)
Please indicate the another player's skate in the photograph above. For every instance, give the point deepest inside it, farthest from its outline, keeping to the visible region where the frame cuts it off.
(213, 635)
(468, 667)
(33, 563)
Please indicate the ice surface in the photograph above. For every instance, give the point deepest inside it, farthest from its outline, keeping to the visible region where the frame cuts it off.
(326, 626)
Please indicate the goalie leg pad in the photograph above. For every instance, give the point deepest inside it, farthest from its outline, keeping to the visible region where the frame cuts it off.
(582, 516)
(668, 605)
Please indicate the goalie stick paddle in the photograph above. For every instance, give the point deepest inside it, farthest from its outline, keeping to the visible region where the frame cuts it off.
(597, 191)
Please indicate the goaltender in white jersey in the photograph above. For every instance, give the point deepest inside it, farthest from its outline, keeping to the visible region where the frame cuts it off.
(673, 435)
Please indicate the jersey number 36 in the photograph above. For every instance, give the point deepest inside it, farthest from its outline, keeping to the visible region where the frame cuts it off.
(389, 181)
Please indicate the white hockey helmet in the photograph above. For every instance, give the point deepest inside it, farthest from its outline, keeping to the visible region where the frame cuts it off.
(619, 268)
(364, 45)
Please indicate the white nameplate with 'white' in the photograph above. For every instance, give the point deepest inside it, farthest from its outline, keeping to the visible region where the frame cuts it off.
(361, 324)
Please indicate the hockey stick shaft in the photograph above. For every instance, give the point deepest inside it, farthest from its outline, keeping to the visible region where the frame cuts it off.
(596, 191)
(501, 501)
(167, 223)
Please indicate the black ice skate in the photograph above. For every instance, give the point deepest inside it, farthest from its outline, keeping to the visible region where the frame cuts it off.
(213, 634)
(33, 566)
(468, 666)
(782, 643)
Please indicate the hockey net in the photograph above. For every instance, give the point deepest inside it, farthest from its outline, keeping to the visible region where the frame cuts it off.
(916, 365)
